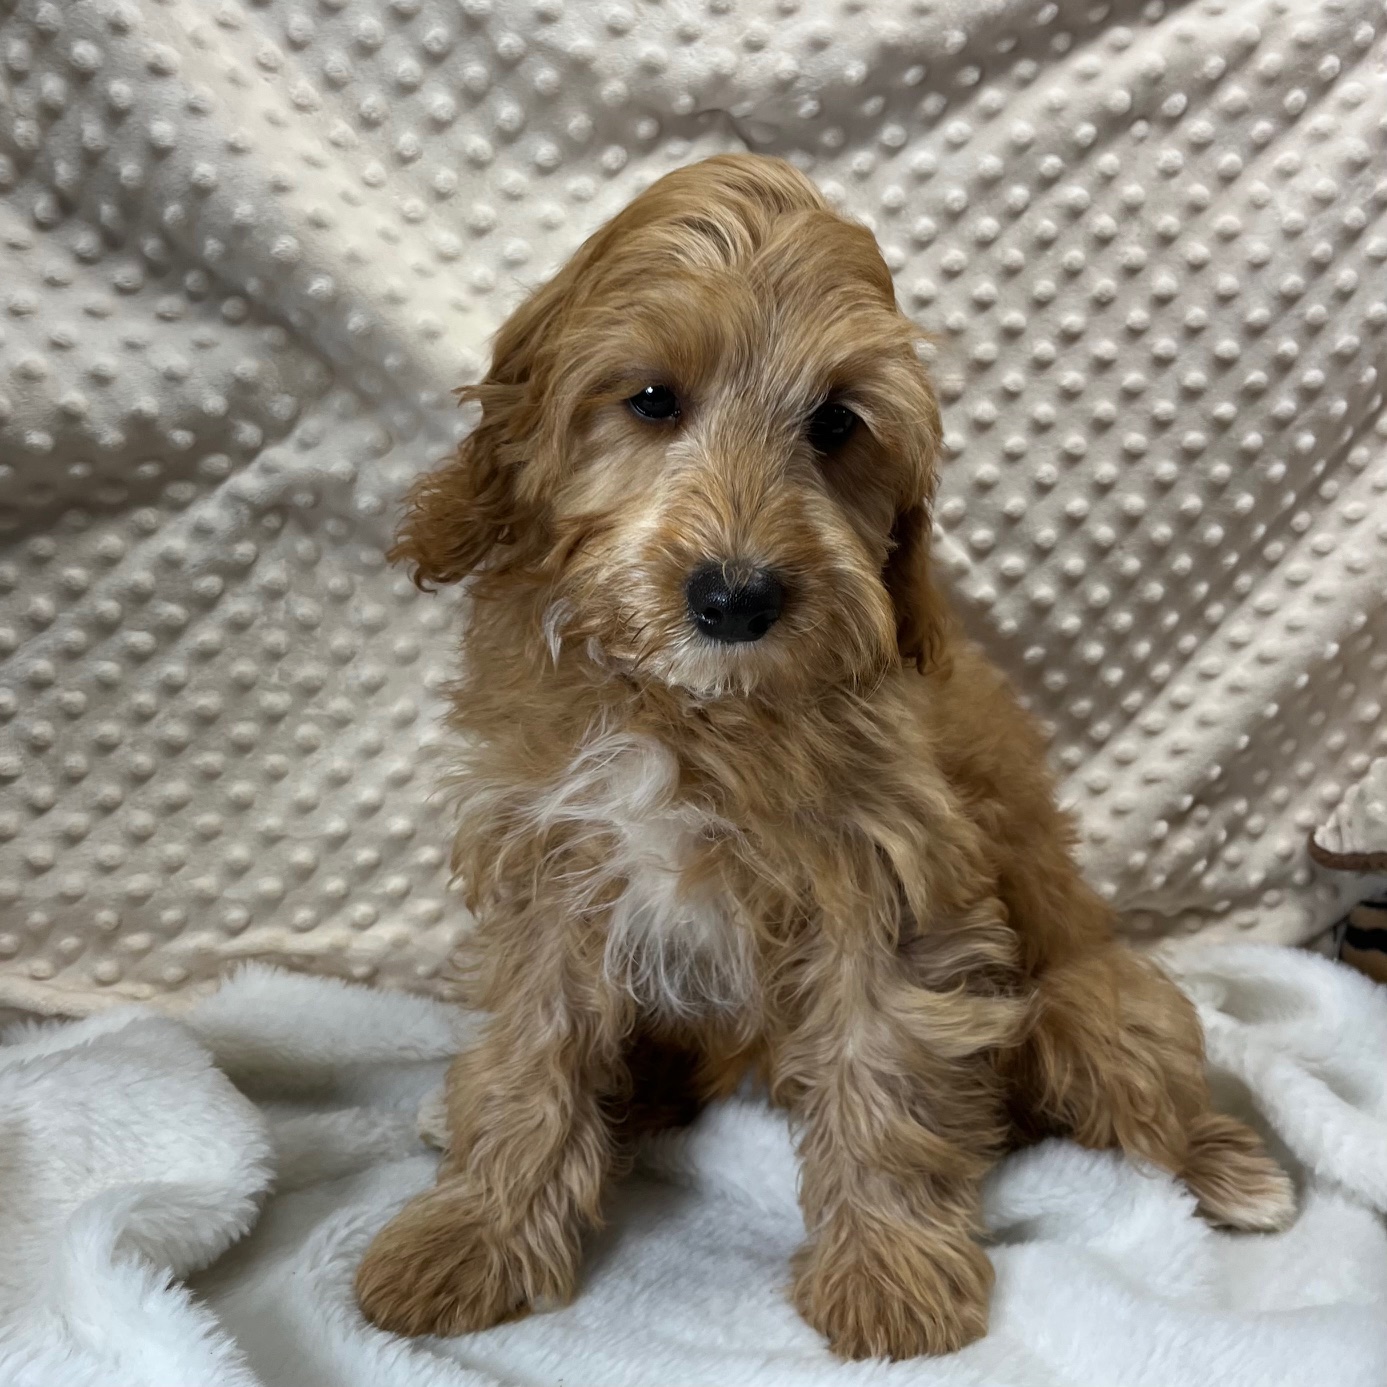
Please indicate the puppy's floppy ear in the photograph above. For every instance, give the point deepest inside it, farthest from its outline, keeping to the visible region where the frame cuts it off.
(472, 510)
(922, 616)
(456, 515)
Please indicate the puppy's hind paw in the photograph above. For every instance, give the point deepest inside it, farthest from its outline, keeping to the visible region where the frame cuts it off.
(1237, 1183)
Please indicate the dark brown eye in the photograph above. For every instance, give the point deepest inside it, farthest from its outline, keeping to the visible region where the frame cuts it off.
(830, 426)
(655, 402)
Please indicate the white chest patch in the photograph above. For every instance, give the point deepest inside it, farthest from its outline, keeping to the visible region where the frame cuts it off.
(676, 947)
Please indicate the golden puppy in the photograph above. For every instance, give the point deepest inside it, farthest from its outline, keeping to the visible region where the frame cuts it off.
(735, 793)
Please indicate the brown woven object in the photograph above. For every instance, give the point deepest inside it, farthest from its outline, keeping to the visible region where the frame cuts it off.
(1348, 861)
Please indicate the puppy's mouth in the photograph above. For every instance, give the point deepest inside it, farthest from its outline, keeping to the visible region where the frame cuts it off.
(734, 602)
(715, 623)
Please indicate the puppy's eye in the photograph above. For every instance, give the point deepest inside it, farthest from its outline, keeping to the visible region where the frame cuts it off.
(830, 426)
(655, 402)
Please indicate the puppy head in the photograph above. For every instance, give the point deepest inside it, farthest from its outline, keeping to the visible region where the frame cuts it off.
(710, 442)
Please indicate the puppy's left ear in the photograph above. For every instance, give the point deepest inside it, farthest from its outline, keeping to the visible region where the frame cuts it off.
(922, 615)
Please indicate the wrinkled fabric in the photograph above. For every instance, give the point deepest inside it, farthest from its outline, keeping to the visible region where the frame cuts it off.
(247, 251)
(272, 1131)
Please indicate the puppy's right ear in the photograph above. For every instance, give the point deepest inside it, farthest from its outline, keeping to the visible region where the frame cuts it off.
(474, 511)
(456, 515)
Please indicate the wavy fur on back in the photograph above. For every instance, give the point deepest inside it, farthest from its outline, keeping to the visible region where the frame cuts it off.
(831, 856)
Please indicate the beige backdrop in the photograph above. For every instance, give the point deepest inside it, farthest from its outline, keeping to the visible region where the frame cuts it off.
(245, 251)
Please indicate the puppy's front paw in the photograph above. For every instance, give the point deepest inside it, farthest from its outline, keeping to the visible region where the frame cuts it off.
(437, 1268)
(901, 1296)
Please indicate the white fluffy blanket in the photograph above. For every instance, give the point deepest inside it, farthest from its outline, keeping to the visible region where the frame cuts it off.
(247, 247)
(184, 1204)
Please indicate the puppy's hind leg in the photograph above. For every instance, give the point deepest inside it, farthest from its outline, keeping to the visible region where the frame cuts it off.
(1237, 1183)
(1115, 1057)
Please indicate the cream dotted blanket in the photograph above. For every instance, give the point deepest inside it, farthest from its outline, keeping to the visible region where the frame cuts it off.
(247, 249)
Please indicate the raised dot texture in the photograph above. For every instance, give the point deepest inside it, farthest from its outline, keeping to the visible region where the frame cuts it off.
(249, 252)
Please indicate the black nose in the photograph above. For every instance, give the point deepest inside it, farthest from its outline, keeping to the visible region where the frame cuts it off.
(733, 604)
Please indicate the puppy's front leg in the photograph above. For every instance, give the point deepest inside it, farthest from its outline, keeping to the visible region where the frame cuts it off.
(901, 1120)
(529, 1152)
